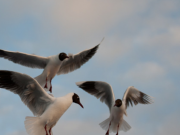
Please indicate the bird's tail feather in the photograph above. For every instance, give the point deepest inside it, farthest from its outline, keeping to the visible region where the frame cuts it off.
(123, 125)
(105, 124)
(34, 126)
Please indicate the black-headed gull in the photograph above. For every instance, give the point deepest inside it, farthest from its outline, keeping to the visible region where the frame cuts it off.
(118, 107)
(52, 65)
(47, 108)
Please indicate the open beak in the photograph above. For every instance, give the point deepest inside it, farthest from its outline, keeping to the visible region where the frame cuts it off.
(67, 56)
(80, 105)
(115, 105)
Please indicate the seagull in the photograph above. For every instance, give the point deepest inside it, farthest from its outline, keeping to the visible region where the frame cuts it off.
(44, 106)
(52, 65)
(117, 107)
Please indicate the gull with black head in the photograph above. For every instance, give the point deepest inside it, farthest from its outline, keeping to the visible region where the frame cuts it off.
(52, 65)
(117, 107)
(44, 106)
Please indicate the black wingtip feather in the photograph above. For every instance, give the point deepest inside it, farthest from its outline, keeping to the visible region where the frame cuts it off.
(143, 99)
(91, 53)
(6, 81)
(88, 87)
(2, 53)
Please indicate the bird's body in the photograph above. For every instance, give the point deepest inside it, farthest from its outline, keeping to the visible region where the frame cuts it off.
(45, 107)
(115, 122)
(117, 108)
(49, 72)
(52, 65)
(36, 125)
(117, 114)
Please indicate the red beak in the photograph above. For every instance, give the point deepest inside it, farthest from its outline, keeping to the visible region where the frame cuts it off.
(67, 57)
(80, 105)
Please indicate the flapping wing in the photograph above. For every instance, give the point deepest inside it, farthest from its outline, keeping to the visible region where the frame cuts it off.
(24, 59)
(29, 90)
(100, 90)
(133, 95)
(76, 61)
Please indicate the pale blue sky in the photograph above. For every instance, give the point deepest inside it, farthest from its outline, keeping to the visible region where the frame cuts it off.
(141, 49)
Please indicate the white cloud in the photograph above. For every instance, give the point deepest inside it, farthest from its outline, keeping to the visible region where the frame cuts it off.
(175, 35)
(6, 110)
(78, 20)
(112, 50)
(17, 133)
(78, 127)
(145, 72)
(170, 125)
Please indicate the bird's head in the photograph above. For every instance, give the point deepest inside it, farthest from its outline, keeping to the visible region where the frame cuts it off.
(63, 56)
(118, 103)
(76, 99)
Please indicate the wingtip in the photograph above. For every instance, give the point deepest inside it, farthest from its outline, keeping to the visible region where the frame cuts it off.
(96, 47)
(100, 42)
(79, 83)
(2, 53)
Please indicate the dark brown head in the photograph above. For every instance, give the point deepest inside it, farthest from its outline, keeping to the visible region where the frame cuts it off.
(118, 103)
(63, 56)
(76, 100)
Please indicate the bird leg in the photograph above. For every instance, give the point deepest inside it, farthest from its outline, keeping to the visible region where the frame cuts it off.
(46, 83)
(107, 133)
(50, 86)
(50, 131)
(46, 130)
(117, 129)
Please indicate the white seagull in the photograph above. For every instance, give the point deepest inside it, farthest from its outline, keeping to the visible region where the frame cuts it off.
(52, 65)
(118, 107)
(47, 108)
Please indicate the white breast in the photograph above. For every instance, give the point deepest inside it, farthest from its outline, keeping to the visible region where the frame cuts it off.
(117, 113)
(56, 110)
(53, 67)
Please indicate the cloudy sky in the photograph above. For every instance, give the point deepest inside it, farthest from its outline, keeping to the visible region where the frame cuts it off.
(141, 49)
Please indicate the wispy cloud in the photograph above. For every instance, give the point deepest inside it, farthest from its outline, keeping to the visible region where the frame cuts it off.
(145, 73)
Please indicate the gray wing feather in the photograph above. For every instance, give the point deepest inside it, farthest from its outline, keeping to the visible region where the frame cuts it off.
(29, 90)
(100, 90)
(76, 61)
(24, 59)
(133, 95)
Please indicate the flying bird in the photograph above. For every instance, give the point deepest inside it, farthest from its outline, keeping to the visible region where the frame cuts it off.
(44, 106)
(52, 65)
(117, 107)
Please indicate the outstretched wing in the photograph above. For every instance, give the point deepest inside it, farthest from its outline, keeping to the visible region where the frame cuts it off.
(24, 59)
(76, 61)
(29, 90)
(133, 95)
(100, 90)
